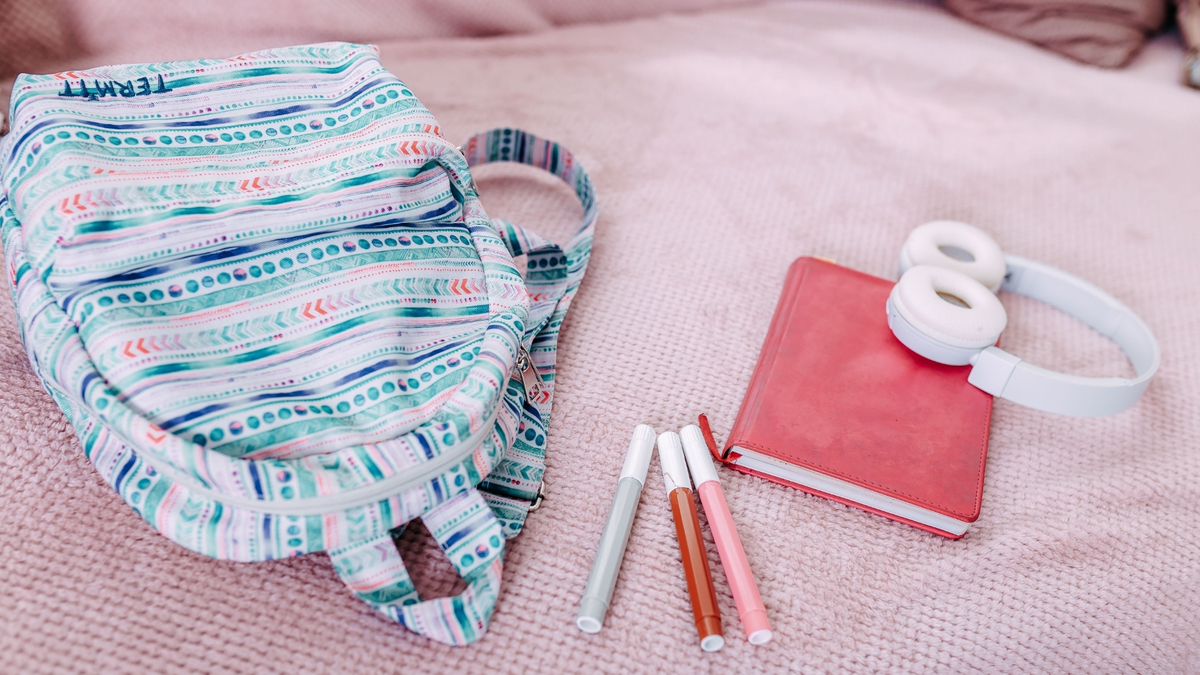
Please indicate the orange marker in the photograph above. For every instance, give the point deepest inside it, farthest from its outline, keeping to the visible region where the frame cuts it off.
(691, 543)
(729, 545)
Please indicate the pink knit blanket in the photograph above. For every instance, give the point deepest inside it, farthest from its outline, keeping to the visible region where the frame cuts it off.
(723, 145)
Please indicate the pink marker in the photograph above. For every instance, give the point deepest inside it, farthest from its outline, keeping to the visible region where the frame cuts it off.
(729, 545)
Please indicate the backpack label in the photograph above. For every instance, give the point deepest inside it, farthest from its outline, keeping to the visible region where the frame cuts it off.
(126, 89)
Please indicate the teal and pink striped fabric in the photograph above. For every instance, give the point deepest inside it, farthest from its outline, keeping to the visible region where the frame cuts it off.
(264, 292)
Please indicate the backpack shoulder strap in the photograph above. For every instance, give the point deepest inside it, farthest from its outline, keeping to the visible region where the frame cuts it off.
(552, 278)
(506, 144)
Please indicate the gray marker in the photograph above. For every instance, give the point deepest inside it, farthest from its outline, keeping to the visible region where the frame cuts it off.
(611, 551)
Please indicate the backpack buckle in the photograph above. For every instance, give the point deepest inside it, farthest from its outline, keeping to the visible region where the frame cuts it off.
(537, 501)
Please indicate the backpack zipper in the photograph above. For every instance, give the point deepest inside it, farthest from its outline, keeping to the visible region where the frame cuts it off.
(531, 382)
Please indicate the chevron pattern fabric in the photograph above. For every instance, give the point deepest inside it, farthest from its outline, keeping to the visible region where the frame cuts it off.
(263, 287)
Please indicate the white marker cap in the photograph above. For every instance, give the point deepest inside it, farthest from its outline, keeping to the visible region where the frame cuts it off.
(641, 449)
(674, 467)
(696, 451)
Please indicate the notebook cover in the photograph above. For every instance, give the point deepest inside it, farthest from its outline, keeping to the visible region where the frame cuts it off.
(835, 392)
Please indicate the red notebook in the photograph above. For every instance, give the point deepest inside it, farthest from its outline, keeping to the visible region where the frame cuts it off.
(837, 407)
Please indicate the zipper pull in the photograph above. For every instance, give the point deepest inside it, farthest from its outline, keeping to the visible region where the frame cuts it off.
(532, 381)
(530, 378)
(470, 177)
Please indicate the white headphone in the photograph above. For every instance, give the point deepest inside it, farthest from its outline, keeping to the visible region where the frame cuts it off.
(945, 309)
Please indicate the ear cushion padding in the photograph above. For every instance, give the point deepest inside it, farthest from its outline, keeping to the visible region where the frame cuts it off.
(916, 298)
(924, 247)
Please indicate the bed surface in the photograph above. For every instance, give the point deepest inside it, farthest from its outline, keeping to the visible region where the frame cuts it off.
(723, 145)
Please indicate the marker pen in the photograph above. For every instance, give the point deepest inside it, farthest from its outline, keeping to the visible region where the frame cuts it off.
(691, 543)
(611, 550)
(729, 545)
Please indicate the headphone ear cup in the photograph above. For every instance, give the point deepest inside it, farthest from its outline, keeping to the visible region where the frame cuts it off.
(944, 315)
(957, 246)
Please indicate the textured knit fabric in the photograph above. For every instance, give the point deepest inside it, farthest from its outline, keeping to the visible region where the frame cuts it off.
(33, 32)
(724, 146)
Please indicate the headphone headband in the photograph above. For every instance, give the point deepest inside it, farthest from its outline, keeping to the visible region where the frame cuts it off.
(942, 309)
(1001, 374)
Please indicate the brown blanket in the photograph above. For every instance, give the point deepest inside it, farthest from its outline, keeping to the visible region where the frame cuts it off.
(1100, 32)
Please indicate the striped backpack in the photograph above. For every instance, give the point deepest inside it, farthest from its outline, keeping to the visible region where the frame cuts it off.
(265, 294)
